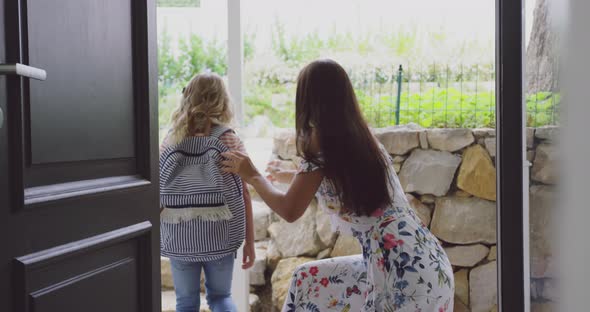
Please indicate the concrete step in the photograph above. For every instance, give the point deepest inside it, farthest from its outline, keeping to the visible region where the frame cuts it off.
(169, 302)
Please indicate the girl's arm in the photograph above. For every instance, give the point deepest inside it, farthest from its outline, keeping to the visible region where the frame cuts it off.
(289, 205)
(165, 143)
(233, 142)
(249, 251)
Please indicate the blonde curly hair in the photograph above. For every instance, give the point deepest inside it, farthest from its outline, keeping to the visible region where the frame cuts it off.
(205, 101)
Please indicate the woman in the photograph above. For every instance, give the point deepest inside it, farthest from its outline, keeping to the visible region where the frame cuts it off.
(403, 267)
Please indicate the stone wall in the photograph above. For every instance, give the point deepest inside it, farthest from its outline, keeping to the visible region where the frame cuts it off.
(450, 179)
(543, 153)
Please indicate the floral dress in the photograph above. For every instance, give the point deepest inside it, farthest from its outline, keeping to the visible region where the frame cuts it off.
(402, 268)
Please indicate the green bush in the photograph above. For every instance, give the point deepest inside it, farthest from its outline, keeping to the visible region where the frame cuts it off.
(249, 48)
(448, 95)
(262, 100)
(179, 3)
(295, 50)
(174, 71)
(169, 69)
(542, 109)
(195, 56)
(434, 108)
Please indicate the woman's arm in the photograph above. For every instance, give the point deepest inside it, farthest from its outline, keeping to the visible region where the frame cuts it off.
(292, 204)
(276, 172)
(289, 205)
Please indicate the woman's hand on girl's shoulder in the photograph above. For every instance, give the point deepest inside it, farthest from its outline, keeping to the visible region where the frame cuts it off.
(239, 163)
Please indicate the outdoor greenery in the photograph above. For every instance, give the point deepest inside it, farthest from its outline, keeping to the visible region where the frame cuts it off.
(543, 109)
(432, 95)
(179, 3)
(194, 56)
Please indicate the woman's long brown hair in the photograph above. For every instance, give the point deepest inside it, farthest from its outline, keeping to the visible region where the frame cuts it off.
(326, 106)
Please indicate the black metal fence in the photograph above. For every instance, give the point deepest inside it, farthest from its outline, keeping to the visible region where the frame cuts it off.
(441, 96)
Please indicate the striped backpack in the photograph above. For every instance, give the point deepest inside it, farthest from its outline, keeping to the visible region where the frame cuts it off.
(203, 216)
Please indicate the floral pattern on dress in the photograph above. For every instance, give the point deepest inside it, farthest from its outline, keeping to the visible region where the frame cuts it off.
(403, 267)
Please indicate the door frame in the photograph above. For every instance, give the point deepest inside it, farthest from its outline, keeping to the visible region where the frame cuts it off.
(235, 68)
(511, 163)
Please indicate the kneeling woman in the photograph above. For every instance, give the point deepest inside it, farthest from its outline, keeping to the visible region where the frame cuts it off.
(403, 267)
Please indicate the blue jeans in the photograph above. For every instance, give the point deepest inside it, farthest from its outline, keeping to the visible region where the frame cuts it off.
(218, 279)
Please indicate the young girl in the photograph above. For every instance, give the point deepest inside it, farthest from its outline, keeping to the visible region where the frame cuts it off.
(205, 110)
(402, 267)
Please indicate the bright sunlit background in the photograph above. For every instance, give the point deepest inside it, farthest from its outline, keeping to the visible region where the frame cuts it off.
(446, 50)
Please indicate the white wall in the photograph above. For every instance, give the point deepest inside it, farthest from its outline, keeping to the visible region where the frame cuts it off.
(574, 246)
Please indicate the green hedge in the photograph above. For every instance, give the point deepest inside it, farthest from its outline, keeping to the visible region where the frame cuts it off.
(271, 92)
(179, 3)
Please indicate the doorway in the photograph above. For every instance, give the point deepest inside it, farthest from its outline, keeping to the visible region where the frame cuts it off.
(491, 91)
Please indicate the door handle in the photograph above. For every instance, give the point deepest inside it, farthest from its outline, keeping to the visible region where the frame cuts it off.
(18, 69)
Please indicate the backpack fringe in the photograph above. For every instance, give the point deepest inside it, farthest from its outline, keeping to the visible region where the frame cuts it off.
(178, 215)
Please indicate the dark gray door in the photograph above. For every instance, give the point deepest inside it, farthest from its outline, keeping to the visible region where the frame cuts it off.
(78, 156)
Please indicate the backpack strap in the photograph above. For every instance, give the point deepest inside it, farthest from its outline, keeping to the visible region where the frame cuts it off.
(218, 130)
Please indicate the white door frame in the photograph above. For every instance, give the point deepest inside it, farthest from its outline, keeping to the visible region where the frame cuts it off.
(241, 283)
(235, 56)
